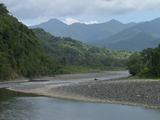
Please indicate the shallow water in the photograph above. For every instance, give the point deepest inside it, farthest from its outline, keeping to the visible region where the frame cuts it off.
(20, 106)
(26, 107)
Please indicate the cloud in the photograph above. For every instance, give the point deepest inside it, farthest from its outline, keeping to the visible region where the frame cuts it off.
(32, 9)
(91, 22)
(70, 21)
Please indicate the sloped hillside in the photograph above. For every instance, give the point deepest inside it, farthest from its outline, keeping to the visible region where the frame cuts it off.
(69, 52)
(57, 46)
(20, 53)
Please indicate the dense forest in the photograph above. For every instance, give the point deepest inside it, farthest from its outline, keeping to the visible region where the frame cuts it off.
(73, 55)
(20, 52)
(30, 53)
(146, 63)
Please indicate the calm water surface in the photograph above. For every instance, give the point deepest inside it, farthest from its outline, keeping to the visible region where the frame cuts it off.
(20, 106)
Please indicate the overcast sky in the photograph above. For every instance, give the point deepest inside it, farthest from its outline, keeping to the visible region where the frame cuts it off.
(32, 12)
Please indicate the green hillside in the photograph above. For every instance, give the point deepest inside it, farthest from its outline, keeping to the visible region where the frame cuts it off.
(20, 53)
(71, 53)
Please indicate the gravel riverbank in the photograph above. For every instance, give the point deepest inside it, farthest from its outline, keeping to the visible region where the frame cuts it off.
(120, 91)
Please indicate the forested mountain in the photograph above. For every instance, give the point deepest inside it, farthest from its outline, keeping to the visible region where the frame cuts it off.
(83, 32)
(138, 37)
(70, 52)
(20, 53)
(58, 47)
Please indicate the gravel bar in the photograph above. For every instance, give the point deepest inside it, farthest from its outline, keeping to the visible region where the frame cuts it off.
(139, 92)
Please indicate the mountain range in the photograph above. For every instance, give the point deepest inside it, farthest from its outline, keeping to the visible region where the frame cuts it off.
(112, 34)
(83, 32)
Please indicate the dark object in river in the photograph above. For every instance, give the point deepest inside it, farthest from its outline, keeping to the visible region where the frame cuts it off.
(96, 79)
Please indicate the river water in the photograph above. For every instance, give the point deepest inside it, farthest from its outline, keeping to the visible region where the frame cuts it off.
(20, 106)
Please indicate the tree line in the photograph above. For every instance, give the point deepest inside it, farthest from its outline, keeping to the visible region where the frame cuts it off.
(146, 63)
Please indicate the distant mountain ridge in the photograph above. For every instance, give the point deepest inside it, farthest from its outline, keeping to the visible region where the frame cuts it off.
(112, 34)
(138, 37)
(79, 31)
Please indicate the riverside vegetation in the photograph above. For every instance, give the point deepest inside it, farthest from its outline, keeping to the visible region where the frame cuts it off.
(24, 54)
(146, 63)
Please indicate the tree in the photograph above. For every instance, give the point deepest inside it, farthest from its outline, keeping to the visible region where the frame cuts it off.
(155, 62)
(3, 9)
(135, 64)
(145, 64)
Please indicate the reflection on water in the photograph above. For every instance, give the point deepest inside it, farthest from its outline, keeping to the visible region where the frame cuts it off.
(19, 106)
(8, 94)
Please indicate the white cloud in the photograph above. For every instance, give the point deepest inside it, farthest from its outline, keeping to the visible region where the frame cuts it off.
(30, 9)
(91, 22)
(84, 11)
(70, 21)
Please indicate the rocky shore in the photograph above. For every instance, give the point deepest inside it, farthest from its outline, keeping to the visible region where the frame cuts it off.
(120, 91)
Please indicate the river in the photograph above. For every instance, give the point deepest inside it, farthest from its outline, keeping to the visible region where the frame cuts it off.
(20, 106)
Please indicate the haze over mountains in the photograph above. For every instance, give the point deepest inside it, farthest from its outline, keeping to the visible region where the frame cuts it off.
(112, 34)
(83, 32)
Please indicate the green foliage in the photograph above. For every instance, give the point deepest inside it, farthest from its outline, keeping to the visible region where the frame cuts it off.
(155, 61)
(20, 52)
(3, 9)
(134, 64)
(145, 64)
(69, 52)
